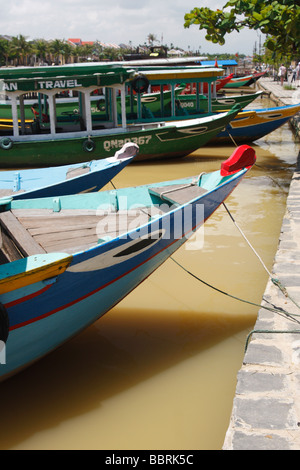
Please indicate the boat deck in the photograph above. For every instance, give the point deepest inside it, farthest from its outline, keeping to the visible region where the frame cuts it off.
(44, 231)
(27, 232)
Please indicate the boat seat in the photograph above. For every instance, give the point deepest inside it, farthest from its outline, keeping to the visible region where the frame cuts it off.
(73, 172)
(18, 240)
(178, 193)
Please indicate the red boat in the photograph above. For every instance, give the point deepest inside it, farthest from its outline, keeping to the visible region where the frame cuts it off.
(191, 88)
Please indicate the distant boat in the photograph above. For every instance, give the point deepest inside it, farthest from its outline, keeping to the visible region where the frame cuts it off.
(190, 104)
(237, 82)
(67, 179)
(69, 260)
(256, 76)
(192, 88)
(58, 142)
(251, 125)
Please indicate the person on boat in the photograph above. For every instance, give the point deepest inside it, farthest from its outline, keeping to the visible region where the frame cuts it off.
(282, 73)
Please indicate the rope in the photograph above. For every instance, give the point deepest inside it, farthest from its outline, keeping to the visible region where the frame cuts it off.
(276, 310)
(267, 331)
(244, 236)
(275, 281)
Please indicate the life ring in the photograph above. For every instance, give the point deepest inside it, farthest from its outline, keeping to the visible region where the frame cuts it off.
(101, 104)
(88, 145)
(140, 84)
(4, 323)
(6, 143)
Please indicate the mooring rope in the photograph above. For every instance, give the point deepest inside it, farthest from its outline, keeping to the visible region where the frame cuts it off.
(276, 282)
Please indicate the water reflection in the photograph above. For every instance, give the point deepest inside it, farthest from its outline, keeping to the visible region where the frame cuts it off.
(159, 370)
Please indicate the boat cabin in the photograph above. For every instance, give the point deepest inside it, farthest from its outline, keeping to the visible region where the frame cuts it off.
(88, 98)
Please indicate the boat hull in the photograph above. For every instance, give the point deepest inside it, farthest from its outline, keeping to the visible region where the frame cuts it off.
(222, 103)
(45, 314)
(62, 180)
(171, 140)
(239, 82)
(249, 126)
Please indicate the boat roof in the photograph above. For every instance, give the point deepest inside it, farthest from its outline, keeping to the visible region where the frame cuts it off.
(163, 62)
(182, 74)
(63, 77)
(78, 76)
(221, 62)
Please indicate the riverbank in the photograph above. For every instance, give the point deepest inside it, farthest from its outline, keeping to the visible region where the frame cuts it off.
(266, 406)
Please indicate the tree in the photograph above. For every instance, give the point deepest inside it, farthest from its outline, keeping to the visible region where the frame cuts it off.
(21, 48)
(5, 50)
(278, 19)
(41, 48)
(57, 49)
(151, 38)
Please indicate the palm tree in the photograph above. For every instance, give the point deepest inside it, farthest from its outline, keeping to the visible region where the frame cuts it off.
(21, 48)
(5, 50)
(57, 49)
(41, 48)
(151, 39)
(68, 51)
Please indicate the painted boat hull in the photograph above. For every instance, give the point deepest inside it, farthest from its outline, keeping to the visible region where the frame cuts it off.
(46, 313)
(222, 103)
(249, 126)
(66, 179)
(239, 82)
(172, 140)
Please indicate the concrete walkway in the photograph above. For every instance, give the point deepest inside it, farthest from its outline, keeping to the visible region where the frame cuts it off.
(266, 407)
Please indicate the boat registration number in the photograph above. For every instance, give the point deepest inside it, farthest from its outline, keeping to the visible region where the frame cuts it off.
(118, 143)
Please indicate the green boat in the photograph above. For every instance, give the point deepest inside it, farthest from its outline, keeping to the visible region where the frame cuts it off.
(189, 102)
(50, 141)
(69, 106)
(237, 82)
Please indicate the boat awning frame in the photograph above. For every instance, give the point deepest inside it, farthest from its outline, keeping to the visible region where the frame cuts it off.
(42, 79)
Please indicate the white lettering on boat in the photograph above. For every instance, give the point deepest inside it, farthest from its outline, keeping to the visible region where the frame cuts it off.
(118, 143)
(10, 86)
(49, 84)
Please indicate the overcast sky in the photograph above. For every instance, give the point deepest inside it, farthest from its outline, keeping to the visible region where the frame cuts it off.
(118, 21)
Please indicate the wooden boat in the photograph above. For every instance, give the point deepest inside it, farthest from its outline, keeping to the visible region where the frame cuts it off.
(237, 82)
(256, 76)
(191, 88)
(54, 143)
(66, 179)
(69, 260)
(70, 107)
(251, 125)
(190, 103)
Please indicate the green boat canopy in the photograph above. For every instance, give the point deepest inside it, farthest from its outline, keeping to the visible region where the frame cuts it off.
(40, 79)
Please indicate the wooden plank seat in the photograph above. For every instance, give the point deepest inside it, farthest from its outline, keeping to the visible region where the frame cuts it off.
(178, 193)
(16, 240)
(74, 230)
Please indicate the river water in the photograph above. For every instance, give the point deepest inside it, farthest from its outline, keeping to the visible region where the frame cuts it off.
(159, 370)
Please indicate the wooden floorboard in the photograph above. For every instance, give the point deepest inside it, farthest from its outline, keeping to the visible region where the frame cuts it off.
(178, 194)
(64, 232)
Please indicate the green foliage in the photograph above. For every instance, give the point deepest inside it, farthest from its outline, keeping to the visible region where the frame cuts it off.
(279, 20)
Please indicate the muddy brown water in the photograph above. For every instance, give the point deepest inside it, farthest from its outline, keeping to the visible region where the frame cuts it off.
(159, 370)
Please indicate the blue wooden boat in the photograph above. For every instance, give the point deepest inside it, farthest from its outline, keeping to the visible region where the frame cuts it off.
(70, 259)
(251, 125)
(67, 179)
